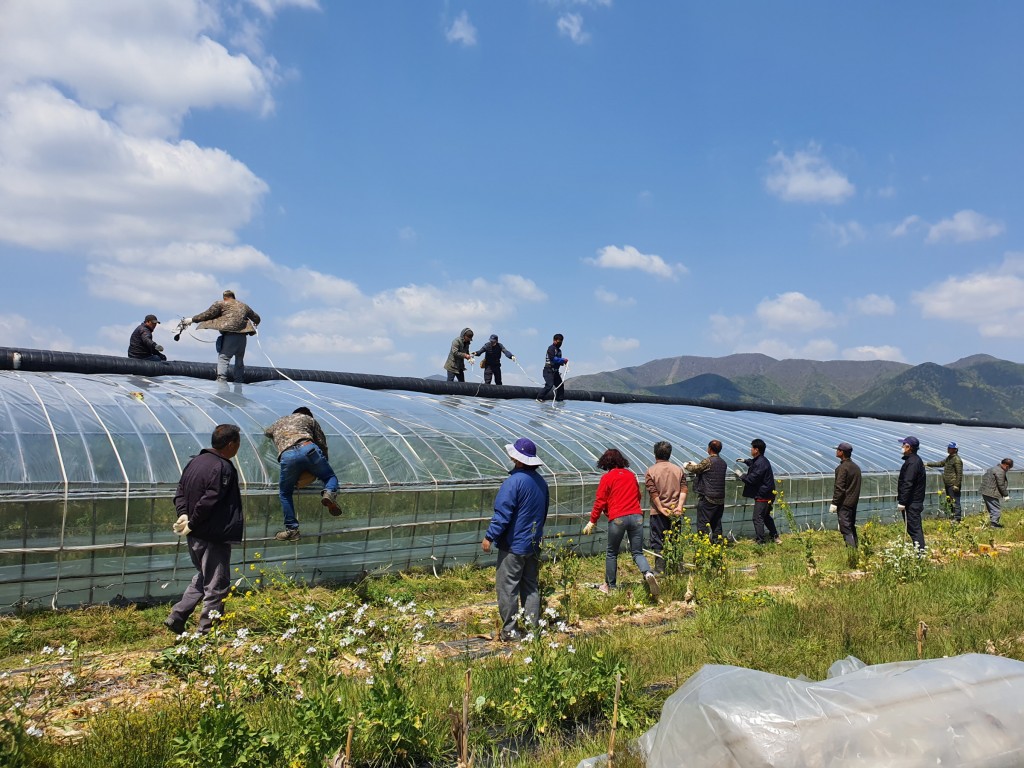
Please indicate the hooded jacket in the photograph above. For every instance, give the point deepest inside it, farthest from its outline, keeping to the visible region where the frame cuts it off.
(456, 362)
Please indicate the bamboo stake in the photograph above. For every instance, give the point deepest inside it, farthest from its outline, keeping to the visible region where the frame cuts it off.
(922, 633)
(615, 720)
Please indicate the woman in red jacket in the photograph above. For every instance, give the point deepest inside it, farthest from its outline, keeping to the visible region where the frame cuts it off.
(618, 496)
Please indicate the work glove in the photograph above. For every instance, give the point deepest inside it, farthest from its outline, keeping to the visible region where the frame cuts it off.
(513, 358)
(159, 348)
(180, 526)
(954, 487)
(689, 466)
(738, 473)
(901, 507)
(833, 509)
(1006, 498)
(186, 321)
(588, 529)
(741, 461)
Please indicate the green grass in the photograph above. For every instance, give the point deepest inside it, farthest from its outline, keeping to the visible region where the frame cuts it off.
(767, 612)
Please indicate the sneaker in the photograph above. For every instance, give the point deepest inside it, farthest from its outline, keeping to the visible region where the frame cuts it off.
(330, 500)
(604, 588)
(509, 637)
(995, 525)
(177, 627)
(778, 539)
(288, 534)
(652, 584)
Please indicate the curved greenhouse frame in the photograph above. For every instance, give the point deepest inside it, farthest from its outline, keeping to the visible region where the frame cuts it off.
(91, 462)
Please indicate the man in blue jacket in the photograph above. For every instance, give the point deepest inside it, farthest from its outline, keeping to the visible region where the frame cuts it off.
(520, 511)
(553, 360)
(759, 485)
(209, 506)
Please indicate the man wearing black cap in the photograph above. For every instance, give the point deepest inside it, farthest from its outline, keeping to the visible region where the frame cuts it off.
(141, 345)
(492, 351)
(846, 494)
(952, 478)
(910, 490)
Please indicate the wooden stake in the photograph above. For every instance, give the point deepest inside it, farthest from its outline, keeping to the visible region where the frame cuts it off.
(922, 633)
(615, 720)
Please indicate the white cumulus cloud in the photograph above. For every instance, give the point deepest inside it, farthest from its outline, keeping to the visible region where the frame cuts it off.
(628, 257)
(571, 25)
(874, 304)
(613, 344)
(461, 31)
(793, 310)
(610, 297)
(965, 226)
(908, 224)
(883, 352)
(806, 176)
(990, 299)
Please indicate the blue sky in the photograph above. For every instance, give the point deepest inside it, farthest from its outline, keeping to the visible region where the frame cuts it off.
(651, 179)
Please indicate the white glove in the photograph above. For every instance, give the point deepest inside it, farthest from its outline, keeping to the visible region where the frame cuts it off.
(833, 509)
(741, 461)
(738, 473)
(689, 466)
(159, 348)
(180, 526)
(901, 508)
(186, 321)
(1006, 498)
(513, 358)
(588, 529)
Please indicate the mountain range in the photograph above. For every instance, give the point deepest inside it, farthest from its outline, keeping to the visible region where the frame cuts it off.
(978, 387)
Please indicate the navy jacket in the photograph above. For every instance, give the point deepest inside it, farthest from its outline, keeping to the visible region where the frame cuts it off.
(492, 354)
(208, 493)
(759, 482)
(553, 359)
(520, 511)
(910, 487)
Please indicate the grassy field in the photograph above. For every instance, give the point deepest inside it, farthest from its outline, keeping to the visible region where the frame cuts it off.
(293, 672)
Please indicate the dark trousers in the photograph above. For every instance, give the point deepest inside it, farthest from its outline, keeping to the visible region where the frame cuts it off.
(912, 516)
(660, 525)
(495, 372)
(762, 520)
(848, 525)
(954, 495)
(211, 583)
(517, 582)
(460, 376)
(552, 383)
(709, 517)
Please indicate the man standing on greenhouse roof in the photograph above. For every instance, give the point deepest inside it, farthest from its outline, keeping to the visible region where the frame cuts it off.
(459, 355)
(209, 504)
(235, 320)
(910, 490)
(759, 485)
(301, 450)
(952, 478)
(846, 494)
(553, 360)
(517, 527)
(492, 351)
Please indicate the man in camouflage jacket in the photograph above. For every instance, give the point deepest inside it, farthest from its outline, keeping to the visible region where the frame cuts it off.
(235, 320)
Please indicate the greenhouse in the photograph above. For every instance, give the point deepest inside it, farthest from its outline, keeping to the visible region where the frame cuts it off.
(91, 462)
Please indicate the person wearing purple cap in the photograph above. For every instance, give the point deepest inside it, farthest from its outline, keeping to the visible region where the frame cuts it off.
(846, 494)
(910, 490)
(516, 529)
(952, 478)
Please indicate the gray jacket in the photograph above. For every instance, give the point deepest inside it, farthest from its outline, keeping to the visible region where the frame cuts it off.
(993, 482)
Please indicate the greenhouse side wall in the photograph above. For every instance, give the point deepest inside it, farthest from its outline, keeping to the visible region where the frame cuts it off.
(112, 554)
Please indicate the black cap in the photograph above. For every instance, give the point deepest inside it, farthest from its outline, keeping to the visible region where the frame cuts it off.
(151, 319)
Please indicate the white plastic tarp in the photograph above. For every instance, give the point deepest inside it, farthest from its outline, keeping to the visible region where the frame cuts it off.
(960, 711)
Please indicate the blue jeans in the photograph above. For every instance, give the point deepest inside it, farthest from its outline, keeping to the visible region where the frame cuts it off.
(303, 458)
(633, 526)
(231, 345)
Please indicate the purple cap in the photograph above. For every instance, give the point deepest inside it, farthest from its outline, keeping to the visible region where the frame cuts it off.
(524, 450)
(912, 441)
